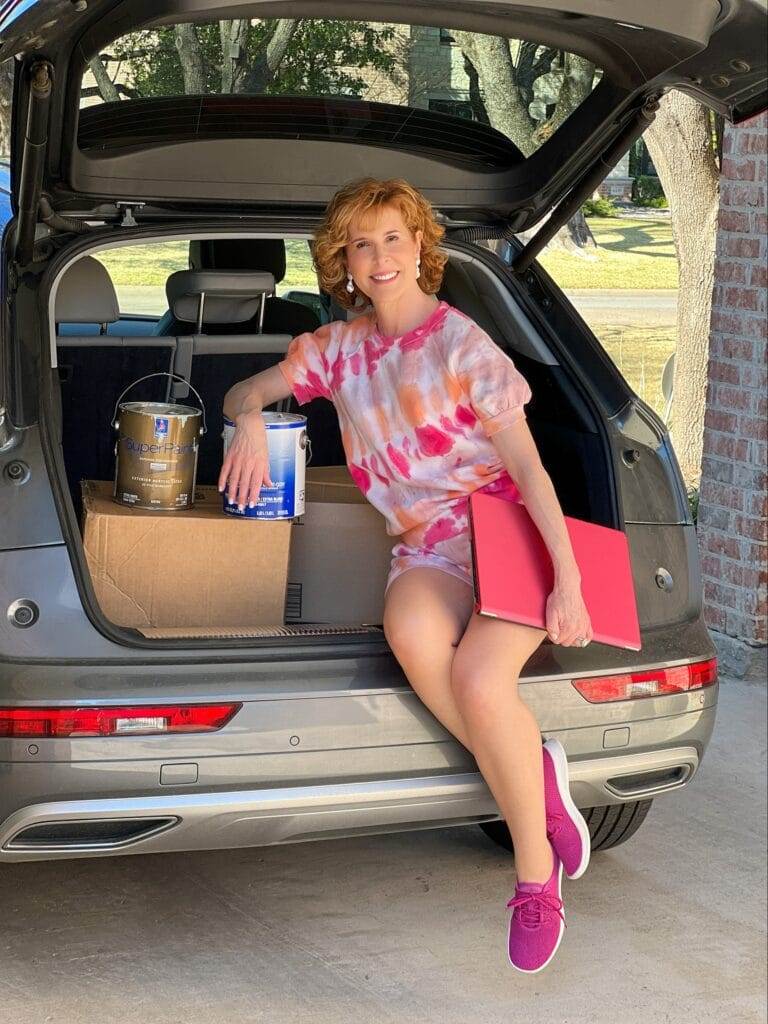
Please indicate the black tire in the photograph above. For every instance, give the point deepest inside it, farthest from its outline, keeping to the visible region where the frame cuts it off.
(608, 826)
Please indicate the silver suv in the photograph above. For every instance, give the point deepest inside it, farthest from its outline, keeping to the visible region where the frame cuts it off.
(115, 742)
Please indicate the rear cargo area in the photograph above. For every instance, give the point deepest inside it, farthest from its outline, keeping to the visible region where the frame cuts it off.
(204, 573)
(199, 572)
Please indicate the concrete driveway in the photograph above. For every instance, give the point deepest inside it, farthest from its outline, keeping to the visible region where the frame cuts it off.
(409, 928)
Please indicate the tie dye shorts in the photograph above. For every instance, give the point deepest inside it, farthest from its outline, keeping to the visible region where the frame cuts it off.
(445, 542)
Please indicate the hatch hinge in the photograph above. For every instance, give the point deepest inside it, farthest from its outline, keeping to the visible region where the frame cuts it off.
(128, 206)
(587, 184)
(33, 159)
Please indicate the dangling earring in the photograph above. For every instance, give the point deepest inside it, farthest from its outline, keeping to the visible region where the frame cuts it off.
(350, 284)
(418, 266)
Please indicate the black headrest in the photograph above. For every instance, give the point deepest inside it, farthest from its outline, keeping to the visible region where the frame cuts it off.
(230, 297)
(266, 254)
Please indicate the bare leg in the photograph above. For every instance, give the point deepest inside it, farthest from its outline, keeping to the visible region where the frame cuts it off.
(504, 736)
(475, 698)
(425, 616)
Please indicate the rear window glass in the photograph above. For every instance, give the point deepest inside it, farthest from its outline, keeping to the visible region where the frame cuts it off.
(520, 88)
(139, 273)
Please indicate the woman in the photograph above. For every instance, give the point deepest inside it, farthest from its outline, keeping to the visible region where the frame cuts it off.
(430, 410)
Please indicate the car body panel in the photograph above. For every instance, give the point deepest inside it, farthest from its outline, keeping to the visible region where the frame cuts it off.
(27, 509)
(331, 739)
(235, 818)
(299, 767)
(642, 52)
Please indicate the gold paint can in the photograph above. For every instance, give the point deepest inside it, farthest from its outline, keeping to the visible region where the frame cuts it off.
(156, 451)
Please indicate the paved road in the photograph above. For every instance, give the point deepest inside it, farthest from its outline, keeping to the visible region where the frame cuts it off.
(625, 307)
(616, 306)
(409, 929)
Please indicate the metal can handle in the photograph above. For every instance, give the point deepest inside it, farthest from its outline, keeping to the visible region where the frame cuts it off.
(162, 373)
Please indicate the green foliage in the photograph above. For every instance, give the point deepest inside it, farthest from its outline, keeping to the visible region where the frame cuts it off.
(657, 203)
(602, 207)
(640, 162)
(693, 501)
(153, 62)
(321, 59)
(322, 53)
(647, 190)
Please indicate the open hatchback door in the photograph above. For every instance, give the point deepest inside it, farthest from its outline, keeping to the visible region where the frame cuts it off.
(113, 104)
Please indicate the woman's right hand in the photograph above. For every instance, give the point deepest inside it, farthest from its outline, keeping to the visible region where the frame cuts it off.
(245, 468)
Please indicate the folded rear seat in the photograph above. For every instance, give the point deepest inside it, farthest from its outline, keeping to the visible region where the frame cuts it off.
(94, 369)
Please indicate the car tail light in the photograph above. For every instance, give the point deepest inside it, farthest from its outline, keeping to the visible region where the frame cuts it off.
(143, 720)
(657, 682)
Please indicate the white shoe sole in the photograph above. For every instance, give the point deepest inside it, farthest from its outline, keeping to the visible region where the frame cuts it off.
(557, 753)
(523, 970)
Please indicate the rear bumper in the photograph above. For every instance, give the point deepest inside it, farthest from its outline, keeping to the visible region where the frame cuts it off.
(263, 817)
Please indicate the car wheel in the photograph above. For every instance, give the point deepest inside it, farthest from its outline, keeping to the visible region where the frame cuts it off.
(608, 826)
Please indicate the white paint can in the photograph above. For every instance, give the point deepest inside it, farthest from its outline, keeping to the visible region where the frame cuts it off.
(287, 443)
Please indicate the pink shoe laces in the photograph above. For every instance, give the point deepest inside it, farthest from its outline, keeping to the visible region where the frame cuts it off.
(534, 906)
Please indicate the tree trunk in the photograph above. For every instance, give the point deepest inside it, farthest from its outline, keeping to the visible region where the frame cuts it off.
(578, 75)
(574, 237)
(190, 58)
(579, 233)
(104, 83)
(680, 144)
(234, 54)
(6, 98)
(267, 63)
(503, 98)
(506, 111)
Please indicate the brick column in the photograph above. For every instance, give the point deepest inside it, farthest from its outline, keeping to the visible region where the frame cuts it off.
(732, 534)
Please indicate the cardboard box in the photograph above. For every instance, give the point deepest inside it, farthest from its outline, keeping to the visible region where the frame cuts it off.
(335, 484)
(340, 553)
(199, 567)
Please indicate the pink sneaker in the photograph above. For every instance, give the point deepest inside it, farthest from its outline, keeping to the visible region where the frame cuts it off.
(567, 830)
(537, 923)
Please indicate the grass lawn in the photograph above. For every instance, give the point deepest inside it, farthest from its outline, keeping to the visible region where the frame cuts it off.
(145, 264)
(153, 264)
(632, 253)
(640, 354)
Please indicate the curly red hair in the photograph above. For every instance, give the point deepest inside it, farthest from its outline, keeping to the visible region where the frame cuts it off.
(356, 200)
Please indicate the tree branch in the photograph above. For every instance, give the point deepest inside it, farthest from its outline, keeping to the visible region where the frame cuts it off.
(104, 83)
(269, 60)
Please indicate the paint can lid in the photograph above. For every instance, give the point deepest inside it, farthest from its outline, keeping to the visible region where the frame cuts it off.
(160, 409)
(284, 419)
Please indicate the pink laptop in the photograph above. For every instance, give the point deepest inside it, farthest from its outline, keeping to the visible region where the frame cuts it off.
(514, 575)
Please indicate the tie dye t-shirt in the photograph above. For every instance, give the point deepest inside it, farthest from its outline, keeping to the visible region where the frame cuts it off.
(416, 411)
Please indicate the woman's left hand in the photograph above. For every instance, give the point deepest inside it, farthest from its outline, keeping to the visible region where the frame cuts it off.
(567, 616)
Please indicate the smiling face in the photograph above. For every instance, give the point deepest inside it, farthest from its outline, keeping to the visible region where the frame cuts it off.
(381, 255)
